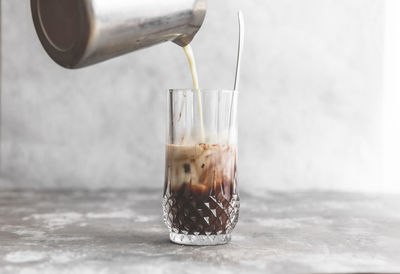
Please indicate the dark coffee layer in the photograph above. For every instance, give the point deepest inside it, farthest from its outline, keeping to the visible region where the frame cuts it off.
(202, 212)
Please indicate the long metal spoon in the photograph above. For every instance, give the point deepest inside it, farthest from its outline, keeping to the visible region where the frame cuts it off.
(240, 49)
(237, 74)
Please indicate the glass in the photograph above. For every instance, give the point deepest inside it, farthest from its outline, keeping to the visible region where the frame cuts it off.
(201, 199)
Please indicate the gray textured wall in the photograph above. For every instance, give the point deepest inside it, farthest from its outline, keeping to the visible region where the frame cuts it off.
(309, 107)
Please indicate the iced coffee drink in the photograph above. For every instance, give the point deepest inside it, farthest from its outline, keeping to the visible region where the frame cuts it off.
(201, 202)
(201, 188)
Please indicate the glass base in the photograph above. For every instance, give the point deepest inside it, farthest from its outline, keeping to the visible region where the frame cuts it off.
(183, 239)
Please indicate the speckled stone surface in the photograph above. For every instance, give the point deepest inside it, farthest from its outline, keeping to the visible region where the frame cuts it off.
(122, 232)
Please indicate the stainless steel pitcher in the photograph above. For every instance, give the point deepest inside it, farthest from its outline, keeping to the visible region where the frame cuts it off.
(78, 33)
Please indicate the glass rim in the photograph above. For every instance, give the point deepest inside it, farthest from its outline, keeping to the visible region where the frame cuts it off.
(207, 90)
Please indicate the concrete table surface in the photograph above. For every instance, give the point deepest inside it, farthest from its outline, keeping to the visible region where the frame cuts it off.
(109, 231)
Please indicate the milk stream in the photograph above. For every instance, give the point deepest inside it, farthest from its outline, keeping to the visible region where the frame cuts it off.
(192, 63)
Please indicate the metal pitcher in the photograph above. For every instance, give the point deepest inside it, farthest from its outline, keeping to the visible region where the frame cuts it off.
(78, 33)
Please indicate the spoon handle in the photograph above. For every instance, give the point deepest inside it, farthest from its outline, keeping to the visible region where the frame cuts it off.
(240, 49)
